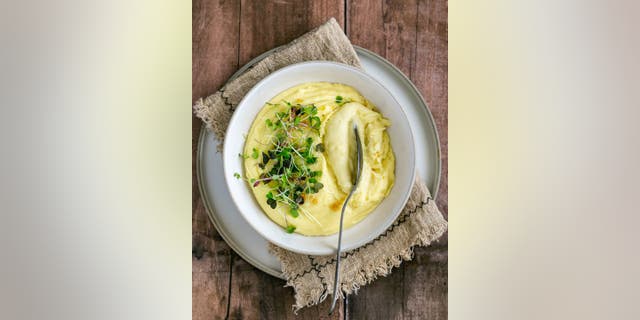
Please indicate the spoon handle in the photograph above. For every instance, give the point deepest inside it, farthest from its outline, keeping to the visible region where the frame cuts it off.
(336, 277)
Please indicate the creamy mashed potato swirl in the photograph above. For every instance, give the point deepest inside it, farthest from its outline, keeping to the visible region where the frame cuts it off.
(320, 213)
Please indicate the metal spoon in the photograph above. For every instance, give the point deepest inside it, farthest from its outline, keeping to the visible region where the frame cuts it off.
(344, 206)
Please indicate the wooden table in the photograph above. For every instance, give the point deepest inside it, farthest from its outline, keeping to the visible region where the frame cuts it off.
(227, 34)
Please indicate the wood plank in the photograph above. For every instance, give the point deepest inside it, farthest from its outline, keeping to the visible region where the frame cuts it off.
(268, 24)
(381, 299)
(365, 25)
(426, 277)
(210, 278)
(215, 32)
(430, 75)
(214, 58)
(413, 36)
(386, 28)
(425, 284)
(416, 290)
(265, 25)
(255, 294)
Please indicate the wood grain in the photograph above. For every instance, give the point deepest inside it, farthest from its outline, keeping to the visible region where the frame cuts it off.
(425, 278)
(215, 29)
(387, 28)
(268, 24)
(381, 299)
(424, 285)
(412, 34)
(214, 59)
(255, 294)
(430, 75)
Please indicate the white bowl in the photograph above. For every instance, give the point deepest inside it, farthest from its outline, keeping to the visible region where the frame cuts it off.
(399, 133)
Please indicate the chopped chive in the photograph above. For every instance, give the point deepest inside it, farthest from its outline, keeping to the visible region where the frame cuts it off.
(237, 175)
(290, 229)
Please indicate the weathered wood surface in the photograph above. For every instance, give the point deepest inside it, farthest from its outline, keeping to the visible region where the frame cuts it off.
(227, 34)
(214, 59)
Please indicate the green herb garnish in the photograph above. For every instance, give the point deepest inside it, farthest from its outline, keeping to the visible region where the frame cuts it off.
(286, 164)
(237, 175)
(340, 100)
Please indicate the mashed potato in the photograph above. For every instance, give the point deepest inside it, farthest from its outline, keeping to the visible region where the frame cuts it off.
(320, 212)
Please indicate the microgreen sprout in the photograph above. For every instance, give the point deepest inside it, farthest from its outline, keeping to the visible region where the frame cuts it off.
(286, 164)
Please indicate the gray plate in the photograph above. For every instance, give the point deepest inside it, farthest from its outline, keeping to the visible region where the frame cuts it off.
(225, 216)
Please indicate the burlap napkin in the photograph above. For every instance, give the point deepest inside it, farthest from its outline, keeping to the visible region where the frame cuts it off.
(420, 222)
